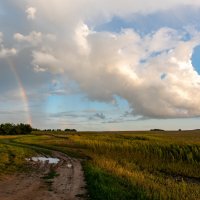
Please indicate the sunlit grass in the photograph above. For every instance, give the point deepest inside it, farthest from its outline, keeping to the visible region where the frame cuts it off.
(12, 158)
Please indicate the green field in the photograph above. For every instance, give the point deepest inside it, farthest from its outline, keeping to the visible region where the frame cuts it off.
(119, 165)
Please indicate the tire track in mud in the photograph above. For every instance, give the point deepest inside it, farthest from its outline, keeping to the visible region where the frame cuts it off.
(61, 181)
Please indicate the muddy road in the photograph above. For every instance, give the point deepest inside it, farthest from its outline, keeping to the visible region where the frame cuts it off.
(63, 180)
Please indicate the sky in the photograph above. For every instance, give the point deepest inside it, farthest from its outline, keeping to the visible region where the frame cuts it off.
(100, 65)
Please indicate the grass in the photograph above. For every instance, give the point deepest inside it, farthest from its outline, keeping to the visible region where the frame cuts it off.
(129, 165)
(12, 158)
(51, 175)
(103, 185)
(48, 178)
(13, 155)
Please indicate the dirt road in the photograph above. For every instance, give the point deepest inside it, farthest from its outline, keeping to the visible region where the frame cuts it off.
(61, 181)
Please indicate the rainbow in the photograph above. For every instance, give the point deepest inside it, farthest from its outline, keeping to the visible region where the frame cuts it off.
(21, 90)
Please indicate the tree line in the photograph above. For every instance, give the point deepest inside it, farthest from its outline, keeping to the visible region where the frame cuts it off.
(12, 129)
(57, 130)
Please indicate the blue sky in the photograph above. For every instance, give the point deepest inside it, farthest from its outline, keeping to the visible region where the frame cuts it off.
(196, 59)
(107, 65)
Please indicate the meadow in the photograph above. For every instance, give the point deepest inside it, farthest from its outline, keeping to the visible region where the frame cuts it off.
(119, 165)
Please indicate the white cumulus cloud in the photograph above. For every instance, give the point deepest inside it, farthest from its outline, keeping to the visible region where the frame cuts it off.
(31, 12)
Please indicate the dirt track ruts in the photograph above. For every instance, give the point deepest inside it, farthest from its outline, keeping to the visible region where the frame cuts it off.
(67, 184)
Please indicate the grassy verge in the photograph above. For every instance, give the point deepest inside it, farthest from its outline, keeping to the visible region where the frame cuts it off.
(104, 186)
(13, 155)
(12, 159)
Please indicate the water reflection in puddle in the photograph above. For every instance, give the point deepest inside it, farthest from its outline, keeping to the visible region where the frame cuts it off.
(44, 159)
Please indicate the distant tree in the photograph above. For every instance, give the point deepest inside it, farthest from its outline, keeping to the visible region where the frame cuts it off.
(24, 128)
(12, 129)
(70, 130)
(1, 131)
(35, 129)
(156, 129)
(8, 129)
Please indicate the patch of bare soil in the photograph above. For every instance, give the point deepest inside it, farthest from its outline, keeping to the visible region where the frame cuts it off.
(61, 181)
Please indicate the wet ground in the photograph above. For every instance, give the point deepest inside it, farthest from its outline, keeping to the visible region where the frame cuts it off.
(57, 178)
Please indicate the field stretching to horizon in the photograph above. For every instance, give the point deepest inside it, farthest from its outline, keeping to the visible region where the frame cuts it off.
(118, 165)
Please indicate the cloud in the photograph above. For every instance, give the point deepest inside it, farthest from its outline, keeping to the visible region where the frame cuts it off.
(99, 116)
(5, 52)
(31, 12)
(71, 11)
(43, 61)
(33, 37)
(81, 33)
(152, 71)
(131, 66)
(37, 68)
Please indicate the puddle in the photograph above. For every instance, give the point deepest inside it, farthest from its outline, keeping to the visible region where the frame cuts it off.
(44, 159)
(69, 165)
